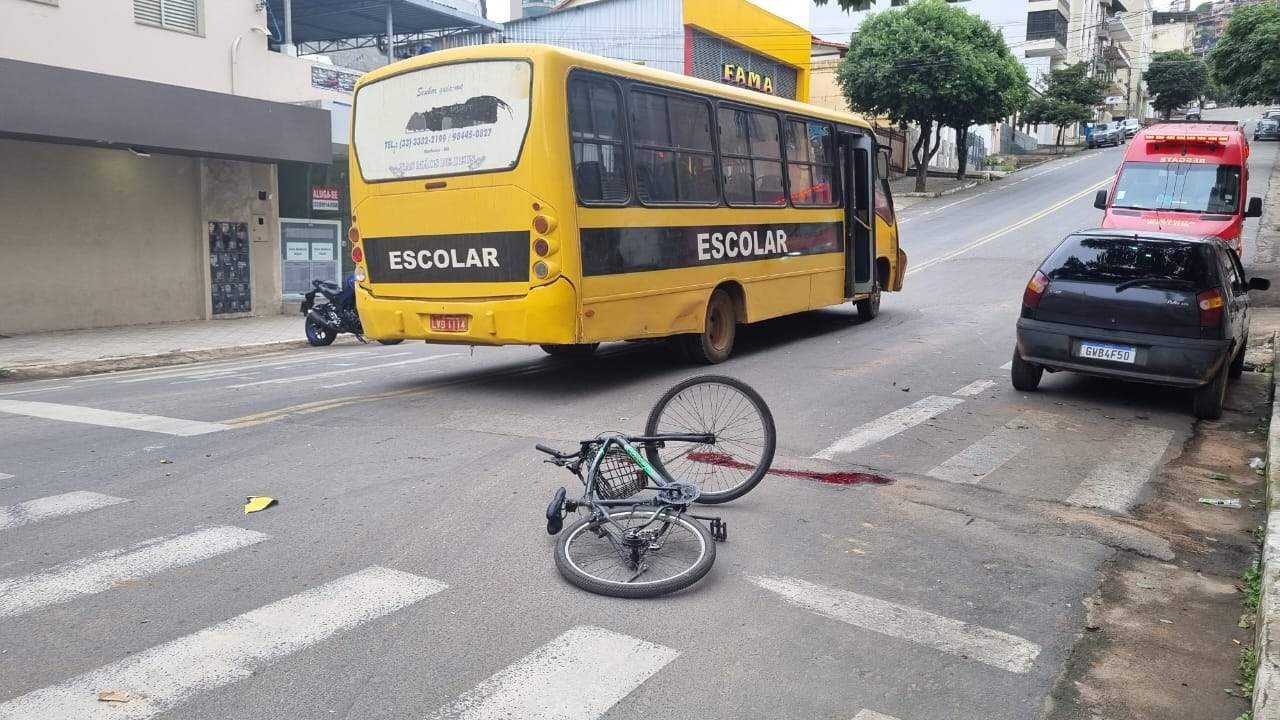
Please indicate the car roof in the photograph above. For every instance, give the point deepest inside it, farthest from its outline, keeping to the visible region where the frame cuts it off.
(1146, 235)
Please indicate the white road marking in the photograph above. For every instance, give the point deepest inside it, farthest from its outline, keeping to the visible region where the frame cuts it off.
(977, 387)
(71, 503)
(1115, 484)
(992, 647)
(342, 384)
(5, 476)
(331, 373)
(165, 676)
(35, 390)
(577, 676)
(886, 426)
(869, 715)
(211, 368)
(100, 572)
(982, 458)
(110, 418)
(1007, 366)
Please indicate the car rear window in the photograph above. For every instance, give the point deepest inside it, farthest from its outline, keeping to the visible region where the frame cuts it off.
(1116, 260)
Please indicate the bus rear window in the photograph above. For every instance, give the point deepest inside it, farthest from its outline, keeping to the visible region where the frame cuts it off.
(443, 120)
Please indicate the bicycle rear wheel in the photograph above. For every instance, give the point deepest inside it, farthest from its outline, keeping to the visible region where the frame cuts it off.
(745, 438)
(669, 553)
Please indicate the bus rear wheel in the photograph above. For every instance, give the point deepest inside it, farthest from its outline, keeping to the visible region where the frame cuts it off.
(581, 350)
(715, 343)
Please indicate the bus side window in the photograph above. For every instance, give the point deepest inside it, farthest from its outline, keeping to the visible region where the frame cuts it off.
(671, 139)
(811, 163)
(750, 157)
(595, 128)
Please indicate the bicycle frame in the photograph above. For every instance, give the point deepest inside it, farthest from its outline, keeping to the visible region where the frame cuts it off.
(626, 443)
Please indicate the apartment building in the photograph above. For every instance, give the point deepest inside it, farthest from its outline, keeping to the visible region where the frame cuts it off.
(148, 147)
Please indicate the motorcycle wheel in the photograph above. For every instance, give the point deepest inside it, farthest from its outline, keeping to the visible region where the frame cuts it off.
(319, 335)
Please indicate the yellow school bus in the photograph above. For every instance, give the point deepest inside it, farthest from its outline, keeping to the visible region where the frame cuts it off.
(527, 194)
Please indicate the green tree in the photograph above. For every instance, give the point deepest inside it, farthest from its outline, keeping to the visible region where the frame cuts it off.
(1245, 62)
(999, 89)
(1175, 78)
(918, 65)
(1070, 96)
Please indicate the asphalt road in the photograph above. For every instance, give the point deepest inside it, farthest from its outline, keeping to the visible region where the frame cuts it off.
(406, 573)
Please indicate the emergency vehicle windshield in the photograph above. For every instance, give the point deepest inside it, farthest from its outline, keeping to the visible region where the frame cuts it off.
(1179, 187)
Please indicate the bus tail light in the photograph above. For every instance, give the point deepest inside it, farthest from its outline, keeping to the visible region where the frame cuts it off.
(544, 247)
(1210, 303)
(544, 224)
(353, 234)
(1035, 290)
(545, 269)
(357, 255)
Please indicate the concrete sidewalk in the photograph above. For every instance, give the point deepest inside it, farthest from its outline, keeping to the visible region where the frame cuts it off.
(76, 352)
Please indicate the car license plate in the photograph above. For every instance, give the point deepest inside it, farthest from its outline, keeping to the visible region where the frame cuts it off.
(1107, 351)
(449, 323)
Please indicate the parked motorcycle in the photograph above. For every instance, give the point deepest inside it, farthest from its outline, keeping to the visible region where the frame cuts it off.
(337, 315)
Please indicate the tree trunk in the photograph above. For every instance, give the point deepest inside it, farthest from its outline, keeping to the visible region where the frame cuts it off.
(922, 155)
(1061, 129)
(962, 152)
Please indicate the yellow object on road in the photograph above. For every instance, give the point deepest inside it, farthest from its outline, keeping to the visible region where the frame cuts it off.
(255, 503)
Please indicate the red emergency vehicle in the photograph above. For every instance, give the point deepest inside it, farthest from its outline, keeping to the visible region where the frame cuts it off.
(1183, 177)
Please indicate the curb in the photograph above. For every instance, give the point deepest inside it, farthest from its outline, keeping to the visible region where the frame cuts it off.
(138, 362)
(1266, 692)
(943, 193)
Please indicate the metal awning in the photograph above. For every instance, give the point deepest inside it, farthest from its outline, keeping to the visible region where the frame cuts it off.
(322, 20)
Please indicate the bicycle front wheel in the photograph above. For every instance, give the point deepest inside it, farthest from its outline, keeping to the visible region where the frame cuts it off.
(640, 554)
(745, 438)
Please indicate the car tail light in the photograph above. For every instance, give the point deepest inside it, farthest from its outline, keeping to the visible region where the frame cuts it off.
(1210, 302)
(1035, 290)
(357, 255)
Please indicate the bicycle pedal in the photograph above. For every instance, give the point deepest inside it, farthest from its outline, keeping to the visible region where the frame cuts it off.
(719, 530)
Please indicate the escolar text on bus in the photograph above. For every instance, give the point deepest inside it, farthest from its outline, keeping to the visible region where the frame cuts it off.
(716, 245)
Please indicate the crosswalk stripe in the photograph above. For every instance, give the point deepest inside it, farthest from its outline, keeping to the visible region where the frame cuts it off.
(886, 426)
(871, 715)
(971, 465)
(5, 476)
(163, 677)
(229, 366)
(109, 418)
(53, 506)
(100, 572)
(977, 387)
(343, 371)
(1007, 366)
(992, 647)
(1115, 484)
(577, 676)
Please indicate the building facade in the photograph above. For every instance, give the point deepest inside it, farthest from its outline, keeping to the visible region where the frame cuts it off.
(163, 163)
(731, 41)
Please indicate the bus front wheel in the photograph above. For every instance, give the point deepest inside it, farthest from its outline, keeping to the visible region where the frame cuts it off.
(715, 343)
(868, 308)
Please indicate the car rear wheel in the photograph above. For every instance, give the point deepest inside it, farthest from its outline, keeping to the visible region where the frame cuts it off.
(1208, 400)
(1237, 362)
(1025, 376)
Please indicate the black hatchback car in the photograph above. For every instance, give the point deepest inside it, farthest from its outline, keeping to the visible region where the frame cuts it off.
(1149, 307)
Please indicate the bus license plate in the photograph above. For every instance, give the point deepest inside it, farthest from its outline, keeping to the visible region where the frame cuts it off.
(1106, 351)
(449, 323)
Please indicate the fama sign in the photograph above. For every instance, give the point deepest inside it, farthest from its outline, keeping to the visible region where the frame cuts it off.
(738, 75)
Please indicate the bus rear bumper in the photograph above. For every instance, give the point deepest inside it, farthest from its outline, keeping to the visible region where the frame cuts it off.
(546, 315)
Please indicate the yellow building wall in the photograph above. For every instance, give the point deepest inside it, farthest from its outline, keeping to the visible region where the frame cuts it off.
(755, 28)
(824, 91)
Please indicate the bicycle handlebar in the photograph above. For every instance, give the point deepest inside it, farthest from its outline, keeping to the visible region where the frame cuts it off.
(554, 453)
